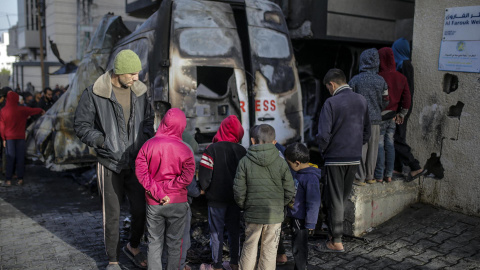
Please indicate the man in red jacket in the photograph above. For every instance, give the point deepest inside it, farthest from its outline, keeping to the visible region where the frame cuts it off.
(13, 121)
(165, 167)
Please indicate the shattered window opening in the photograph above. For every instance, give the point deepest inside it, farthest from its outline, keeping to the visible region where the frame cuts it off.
(205, 42)
(212, 82)
(268, 43)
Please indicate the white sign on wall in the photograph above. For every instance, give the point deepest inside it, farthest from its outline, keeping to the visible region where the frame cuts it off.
(460, 48)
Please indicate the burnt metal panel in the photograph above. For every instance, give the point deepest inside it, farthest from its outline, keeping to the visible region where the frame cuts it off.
(51, 138)
(141, 8)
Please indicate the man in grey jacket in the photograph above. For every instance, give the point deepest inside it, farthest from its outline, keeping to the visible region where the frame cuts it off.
(115, 118)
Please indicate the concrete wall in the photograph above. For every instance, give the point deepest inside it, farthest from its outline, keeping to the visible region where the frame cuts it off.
(61, 25)
(431, 132)
(372, 205)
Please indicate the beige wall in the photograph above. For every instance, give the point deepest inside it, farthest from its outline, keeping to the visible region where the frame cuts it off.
(430, 130)
(61, 24)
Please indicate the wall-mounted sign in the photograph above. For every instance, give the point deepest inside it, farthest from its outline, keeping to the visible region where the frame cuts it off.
(460, 48)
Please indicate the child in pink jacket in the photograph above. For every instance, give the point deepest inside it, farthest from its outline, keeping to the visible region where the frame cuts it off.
(165, 167)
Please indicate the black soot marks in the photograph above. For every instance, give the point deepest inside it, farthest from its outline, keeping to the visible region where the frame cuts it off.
(434, 166)
(450, 83)
(456, 110)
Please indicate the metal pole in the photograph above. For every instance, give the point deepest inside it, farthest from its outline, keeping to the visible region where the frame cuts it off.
(39, 15)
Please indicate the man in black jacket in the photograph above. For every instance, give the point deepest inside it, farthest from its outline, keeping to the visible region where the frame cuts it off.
(115, 118)
(47, 100)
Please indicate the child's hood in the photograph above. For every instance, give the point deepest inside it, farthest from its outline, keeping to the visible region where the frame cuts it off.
(263, 154)
(369, 61)
(387, 61)
(12, 99)
(230, 130)
(311, 170)
(173, 123)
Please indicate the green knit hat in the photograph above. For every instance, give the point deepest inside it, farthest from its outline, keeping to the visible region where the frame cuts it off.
(126, 61)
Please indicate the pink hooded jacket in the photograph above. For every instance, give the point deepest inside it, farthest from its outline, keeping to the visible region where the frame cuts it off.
(165, 164)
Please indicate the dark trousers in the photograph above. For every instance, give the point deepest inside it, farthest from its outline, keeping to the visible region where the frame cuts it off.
(218, 219)
(165, 224)
(403, 154)
(113, 186)
(299, 243)
(15, 154)
(186, 242)
(339, 180)
(281, 247)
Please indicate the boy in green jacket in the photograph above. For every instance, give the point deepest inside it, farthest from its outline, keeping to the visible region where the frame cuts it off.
(263, 186)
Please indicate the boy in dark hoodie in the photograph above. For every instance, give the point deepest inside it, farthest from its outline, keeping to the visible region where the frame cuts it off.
(375, 90)
(263, 187)
(165, 166)
(400, 100)
(216, 174)
(304, 211)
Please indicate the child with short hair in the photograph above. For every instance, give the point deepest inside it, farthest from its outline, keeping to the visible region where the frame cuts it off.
(304, 211)
(263, 186)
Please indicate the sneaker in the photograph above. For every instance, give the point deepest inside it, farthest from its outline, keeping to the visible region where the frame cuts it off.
(358, 183)
(371, 181)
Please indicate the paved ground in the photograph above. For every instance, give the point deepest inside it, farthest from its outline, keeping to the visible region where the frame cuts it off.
(54, 223)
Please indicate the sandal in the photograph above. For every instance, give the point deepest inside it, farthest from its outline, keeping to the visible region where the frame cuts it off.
(322, 247)
(136, 259)
(20, 182)
(411, 177)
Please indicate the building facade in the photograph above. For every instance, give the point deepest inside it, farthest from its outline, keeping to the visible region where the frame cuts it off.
(443, 127)
(64, 26)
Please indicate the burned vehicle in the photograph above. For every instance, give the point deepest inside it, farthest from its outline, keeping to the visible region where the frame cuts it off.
(211, 59)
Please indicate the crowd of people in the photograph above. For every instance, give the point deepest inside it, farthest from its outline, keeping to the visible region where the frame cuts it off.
(361, 136)
(18, 109)
(386, 82)
(40, 99)
(264, 183)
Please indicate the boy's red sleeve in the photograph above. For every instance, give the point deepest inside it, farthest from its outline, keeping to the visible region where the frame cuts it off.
(205, 170)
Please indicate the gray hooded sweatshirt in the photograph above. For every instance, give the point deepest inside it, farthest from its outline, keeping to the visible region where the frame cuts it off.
(371, 85)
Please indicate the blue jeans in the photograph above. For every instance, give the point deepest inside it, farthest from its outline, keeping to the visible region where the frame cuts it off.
(386, 150)
(15, 153)
(218, 218)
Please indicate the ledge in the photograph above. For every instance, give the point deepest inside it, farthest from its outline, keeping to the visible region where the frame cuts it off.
(371, 205)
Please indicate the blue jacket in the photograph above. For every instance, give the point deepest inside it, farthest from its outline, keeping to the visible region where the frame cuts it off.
(307, 199)
(344, 126)
(193, 190)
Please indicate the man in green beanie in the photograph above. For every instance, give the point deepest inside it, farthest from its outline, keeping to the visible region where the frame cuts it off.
(115, 118)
